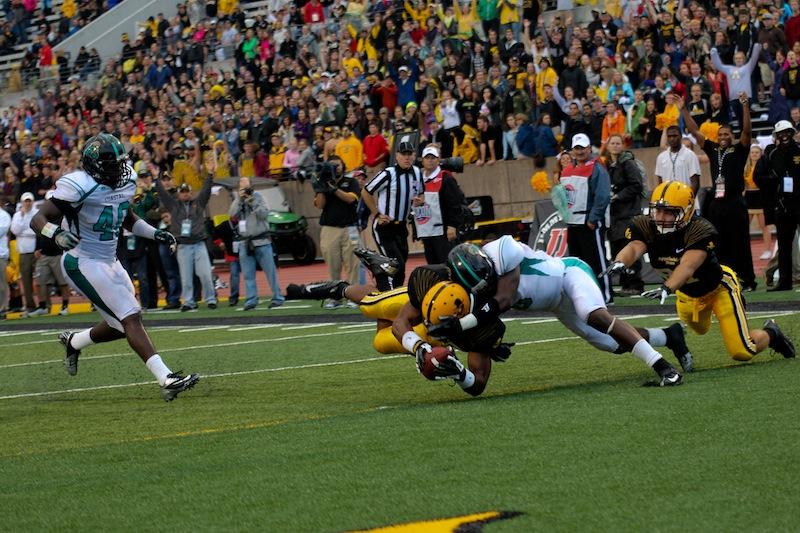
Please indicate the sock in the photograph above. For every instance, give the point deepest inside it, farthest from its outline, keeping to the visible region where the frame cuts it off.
(158, 368)
(658, 337)
(81, 339)
(646, 353)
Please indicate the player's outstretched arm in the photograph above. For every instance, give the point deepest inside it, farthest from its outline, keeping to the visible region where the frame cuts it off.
(690, 262)
(140, 228)
(480, 364)
(42, 225)
(626, 257)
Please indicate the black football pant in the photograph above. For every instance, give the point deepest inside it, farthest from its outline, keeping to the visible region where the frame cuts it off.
(392, 241)
(732, 222)
(786, 223)
(590, 246)
(436, 249)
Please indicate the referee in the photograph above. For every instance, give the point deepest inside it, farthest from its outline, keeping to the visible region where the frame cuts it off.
(388, 196)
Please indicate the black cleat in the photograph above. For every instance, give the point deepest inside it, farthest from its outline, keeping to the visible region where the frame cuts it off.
(176, 383)
(319, 290)
(71, 357)
(376, 263)
(668, 377)
(777, 340)
(676, 341)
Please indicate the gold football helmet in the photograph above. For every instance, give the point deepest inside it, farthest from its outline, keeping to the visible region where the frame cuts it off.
(445, 299)
(676, 197)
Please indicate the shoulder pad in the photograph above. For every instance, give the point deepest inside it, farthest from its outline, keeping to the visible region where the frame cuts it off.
(505, 253)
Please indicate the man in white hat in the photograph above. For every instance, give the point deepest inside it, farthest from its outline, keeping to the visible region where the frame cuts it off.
(783, 159)
(588, 193)
(26, 246)
(437, 210)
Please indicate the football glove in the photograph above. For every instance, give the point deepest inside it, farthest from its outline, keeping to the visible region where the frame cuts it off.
(502, 352)
(450, 368)
(615, 267)
(420, 352)
(66, 240)
(167, 238)
(449, 327)
(660, 293)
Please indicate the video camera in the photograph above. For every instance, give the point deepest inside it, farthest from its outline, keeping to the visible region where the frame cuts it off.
(452, 164)
(323, 177)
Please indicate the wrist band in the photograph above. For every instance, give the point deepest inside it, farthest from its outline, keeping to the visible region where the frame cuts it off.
(410, 341)
(49, 230)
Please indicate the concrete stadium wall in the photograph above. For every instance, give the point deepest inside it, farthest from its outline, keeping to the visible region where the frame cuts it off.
(507, 182)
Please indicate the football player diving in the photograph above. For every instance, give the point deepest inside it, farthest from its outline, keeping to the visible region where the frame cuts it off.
(506, 273)
(682, 247)
(96, 202)
(404, 314)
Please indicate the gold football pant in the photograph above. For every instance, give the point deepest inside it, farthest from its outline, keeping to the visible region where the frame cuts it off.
(726, 303)
(386, 306)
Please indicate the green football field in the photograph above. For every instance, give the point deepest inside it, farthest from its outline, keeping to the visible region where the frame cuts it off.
(303, 427)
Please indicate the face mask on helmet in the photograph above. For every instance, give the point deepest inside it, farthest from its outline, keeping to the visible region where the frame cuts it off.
(674, 198)
(445, 299)
(473, 269)
(104, 158)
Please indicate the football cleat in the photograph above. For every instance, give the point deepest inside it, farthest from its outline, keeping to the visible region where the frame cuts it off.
(176, 383)
(71, 357)
(676, 341)
(376, 263)
(669, 377)
(778, 341)
(319, 290)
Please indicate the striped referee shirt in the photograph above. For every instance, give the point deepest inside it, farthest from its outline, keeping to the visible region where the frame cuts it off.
(393, 189)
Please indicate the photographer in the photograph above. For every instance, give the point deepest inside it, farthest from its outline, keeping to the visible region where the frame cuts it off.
(337, 196)
(249, 215)
(437, 211)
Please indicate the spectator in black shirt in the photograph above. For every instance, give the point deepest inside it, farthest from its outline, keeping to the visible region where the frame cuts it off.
(491, 142)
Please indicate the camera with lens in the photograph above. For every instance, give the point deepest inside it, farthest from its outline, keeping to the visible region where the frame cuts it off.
(452, 164)
(323, 178)
(247, 191)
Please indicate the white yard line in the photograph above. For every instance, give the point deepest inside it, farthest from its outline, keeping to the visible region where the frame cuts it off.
(190, 348)
(202, 328)
(357, 325)
(206, 376)
(260, 326)
(308, 326)
(542, 341)
(28, 332)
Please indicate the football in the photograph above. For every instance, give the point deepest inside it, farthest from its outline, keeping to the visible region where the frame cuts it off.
(438, 354)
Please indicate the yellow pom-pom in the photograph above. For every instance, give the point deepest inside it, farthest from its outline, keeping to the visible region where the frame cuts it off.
(710, 131)
(540, 182)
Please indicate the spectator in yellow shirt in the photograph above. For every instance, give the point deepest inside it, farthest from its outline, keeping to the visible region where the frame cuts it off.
(350, 150)
(276, 154)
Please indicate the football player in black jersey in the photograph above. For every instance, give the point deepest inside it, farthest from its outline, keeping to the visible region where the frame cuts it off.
(683, 247)
(400, 325)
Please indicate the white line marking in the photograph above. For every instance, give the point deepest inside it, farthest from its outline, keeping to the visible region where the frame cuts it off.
(308, 326)
(201, 328)
(208, 376)
(357, 325)
(190, 348)
(259, 326)
(30, 342)
(542, 341)
(30, 332)
(539, 321)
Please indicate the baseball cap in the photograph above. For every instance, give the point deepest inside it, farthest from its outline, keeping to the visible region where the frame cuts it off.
(581, 139)
(405, 144)
(401, 69)
(783, 125)
(185, 187)
(430, 150)
(26, 196)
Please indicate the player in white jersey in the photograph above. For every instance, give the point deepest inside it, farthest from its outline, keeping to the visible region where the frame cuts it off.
(96, 202)
(507, 273)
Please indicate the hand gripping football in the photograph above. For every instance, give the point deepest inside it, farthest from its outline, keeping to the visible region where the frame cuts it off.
(436, 356)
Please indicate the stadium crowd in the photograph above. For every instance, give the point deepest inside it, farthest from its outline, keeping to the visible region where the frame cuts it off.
(215, 91)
